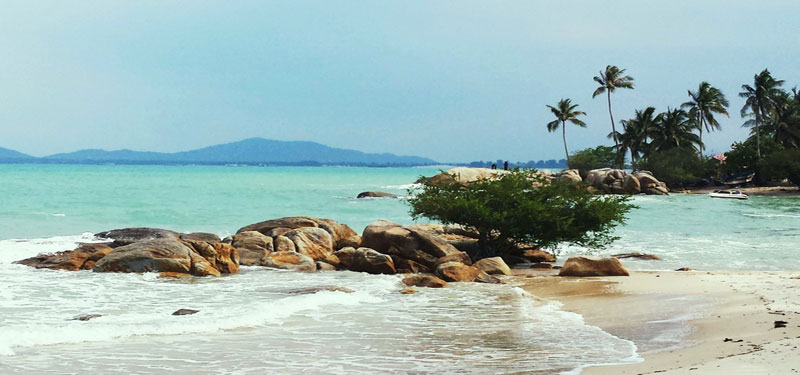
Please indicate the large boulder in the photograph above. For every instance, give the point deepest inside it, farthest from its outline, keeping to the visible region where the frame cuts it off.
(569, 175)
(537, 256)
(282, 226)
(646, 179)
(317, 243)
(200, 236)
(493, 266)
(290, 260)
(455, 271)
(590, 266)
(417, 244)
(281, 243)
(424, 281)
(403, 265)
(293, 222)
(365, 260)
(631, 185)
(375, 194)
(82, 258)
(467, 174)
(253, 247)
(596, 177)
(156, 255)
(221, 256)
(130, 235)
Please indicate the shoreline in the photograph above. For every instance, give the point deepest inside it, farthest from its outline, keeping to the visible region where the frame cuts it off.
(761, 191)
(686, 322)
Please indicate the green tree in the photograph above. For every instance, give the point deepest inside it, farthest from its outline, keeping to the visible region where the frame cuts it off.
(593, 158)
(759, 101)
(784, 124)
(518, 208)
(636, 132)
(610, 80)
(704, 103)
(565, 111)
(673, 130)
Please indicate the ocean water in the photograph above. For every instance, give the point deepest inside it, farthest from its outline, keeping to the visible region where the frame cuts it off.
(254, 322)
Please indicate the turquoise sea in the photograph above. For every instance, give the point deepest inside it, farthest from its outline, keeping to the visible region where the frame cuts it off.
(249, 323)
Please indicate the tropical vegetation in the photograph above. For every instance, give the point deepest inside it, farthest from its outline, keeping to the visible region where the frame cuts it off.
(610, 80)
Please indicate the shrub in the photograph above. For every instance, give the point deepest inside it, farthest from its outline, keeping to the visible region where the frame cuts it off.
(593, 158)
(679, 167)
(782, 164)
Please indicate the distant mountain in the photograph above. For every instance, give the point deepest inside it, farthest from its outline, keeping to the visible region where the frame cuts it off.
(11, 155)
(248, 151)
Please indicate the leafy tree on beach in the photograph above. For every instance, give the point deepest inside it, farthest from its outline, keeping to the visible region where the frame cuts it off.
(760, 101)
(565, 111)
(519, 208)
(704, 103)
(610, 80)
(673, 130)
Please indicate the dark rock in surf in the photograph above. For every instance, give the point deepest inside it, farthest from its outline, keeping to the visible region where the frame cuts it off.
(375, 194)
(82, 258)
(185, 312)
(86, 317)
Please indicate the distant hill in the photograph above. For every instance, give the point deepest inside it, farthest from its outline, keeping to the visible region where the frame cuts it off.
(248, 151)
(11, 155)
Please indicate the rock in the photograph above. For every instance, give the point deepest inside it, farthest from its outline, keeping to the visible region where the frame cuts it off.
(338, 231)
(221, 256)
(424, 281)
(646, 179)
(631, 185)
(417, 244)
(685, 269)
(317, 243)
(317, 289)
(185, 312)
(403, 265)
(460, 257)
(466, 244)
(322, 266)
(290, 260)
(544, 266)
(514, 261)
(617, 187)
(275, 232)
(175, 275)
(375, 194)
(408, 291)
(780, 324)
(637, 255)
(82, 258)
(352, 241)
(460, 272)
(86, 317)
(536, 256)
(570, 175)
(277, 227)
(157, 255)
(365, 260)
(130, 235)
(493, 266)
(656, 190)
(200, 236)
(253, 247)
(590, 266)
(282, 244)
(595, 177)
(466, 174)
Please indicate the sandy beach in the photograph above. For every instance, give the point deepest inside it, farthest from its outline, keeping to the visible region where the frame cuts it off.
(688, 322)
(767, 191)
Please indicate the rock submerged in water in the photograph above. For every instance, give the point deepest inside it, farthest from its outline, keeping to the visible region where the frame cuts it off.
(171, 255)
(365, 259)
(642, 256)
(591, 266)
(185, 312)
(86, 317)
(375, 194)
(460, 272)
(82, 258)
(424, 281)
(290, 260)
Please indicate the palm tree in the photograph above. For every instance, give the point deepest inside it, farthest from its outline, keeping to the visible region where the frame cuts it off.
(565, 111)
(760, 100)
(704, 102)
(673, 129)
(636, 132)
(609, 80)
(785, 119)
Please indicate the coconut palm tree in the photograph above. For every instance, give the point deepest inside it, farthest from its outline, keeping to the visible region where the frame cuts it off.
(673, 129)
(565, 111)
(636, 132)
(610, 80)
(785, 119)
(759, 101)
(704, 103)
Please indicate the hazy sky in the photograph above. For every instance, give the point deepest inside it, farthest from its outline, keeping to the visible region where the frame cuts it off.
(450, 80)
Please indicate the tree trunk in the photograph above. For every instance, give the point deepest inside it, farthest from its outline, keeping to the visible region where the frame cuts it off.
(758, 134)
(701, 134)
(564, 136)
(613, 127)
(484, 251)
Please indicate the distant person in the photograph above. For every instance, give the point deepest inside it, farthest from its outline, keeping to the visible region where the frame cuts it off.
(505, 165)
(494, 166)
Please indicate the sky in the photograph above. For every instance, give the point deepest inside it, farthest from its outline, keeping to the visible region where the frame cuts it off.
(454, 81)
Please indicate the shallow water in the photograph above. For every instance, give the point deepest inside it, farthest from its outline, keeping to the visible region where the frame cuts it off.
(250, 323)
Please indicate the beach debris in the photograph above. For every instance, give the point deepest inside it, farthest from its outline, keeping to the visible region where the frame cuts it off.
(591, 266)
(642, 256)
(731, 340)
(685, 269)
(86, 317)
(460, 272)
(375, 194)
(493, 266)
(185, 312)
(316, 289)
(781, 324)
(424, 281)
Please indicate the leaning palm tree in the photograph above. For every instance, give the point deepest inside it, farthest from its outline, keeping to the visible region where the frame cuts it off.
(636, 132)
(673, 129)
(565, 111)
(704, 102)
(610, 80)
(759, 101)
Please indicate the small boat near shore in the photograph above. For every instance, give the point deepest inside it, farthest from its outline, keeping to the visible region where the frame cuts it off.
(729, 194)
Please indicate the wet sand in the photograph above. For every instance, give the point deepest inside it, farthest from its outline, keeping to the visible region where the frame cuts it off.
(688, 322)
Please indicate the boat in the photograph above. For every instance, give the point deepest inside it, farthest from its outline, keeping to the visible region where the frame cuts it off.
(729, 194)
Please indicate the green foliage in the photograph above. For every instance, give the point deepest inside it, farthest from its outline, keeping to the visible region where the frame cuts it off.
(744, 156)
(783, 164)
(679, 167)
(518, 208)
(593, 158)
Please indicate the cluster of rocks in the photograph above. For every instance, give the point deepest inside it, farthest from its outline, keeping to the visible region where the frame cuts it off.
(605, 180)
